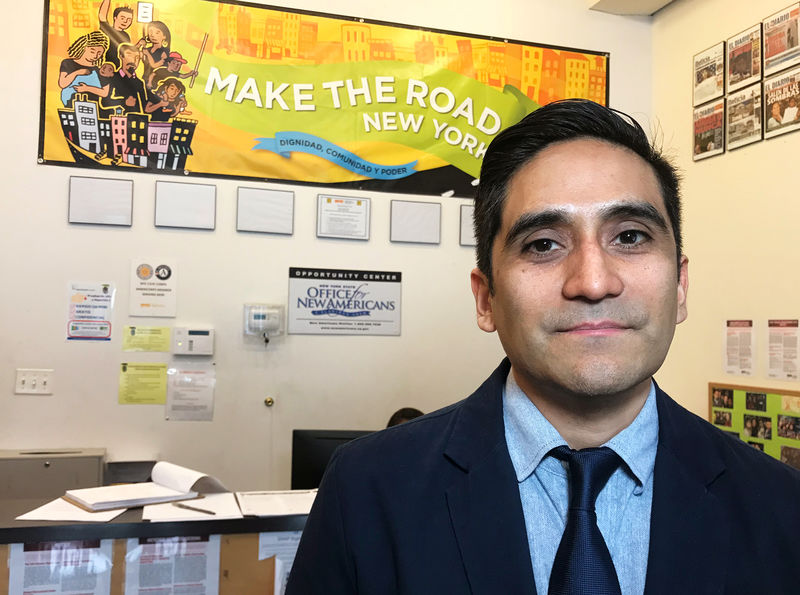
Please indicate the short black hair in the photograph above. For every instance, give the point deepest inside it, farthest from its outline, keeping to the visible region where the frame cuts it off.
(564, 120)
(403, 415)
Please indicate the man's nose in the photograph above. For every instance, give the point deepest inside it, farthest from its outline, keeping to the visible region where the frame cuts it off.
(591, 273)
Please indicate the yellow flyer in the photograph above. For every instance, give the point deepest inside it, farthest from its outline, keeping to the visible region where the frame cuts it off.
(146, 338)
(142, 383)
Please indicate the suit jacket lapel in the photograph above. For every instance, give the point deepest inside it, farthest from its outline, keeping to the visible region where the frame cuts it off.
(689, 534)
(485, 508)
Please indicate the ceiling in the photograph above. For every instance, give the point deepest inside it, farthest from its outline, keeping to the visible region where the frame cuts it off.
(628, 7)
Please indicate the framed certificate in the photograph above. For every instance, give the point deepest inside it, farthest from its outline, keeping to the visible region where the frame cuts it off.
(342, 217)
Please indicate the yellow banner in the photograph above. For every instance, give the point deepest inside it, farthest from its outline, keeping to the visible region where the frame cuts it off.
(204, 87)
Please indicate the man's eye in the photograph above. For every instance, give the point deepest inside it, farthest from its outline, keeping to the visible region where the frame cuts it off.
(632, 236)
(542, 245)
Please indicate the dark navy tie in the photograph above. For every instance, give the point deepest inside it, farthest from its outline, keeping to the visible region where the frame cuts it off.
(583, 564)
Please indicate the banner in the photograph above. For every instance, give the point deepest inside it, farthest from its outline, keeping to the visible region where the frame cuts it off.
(223, 89)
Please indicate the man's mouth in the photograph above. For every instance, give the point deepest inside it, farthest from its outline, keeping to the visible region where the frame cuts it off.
(596, 328)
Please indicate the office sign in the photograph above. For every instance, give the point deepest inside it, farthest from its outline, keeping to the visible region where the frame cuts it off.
(344, 302)
(226, 89)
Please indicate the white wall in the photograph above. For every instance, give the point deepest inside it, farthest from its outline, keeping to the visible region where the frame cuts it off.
(740, 209)
(327, 382)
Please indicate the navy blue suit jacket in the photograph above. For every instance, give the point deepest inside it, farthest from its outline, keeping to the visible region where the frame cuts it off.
(432, 507)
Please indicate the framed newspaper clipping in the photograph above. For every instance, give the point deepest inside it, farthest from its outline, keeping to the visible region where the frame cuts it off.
(743, 117)
(781, 102)
(781, 49)
(709, 125)
(744, 58)
(709, 74)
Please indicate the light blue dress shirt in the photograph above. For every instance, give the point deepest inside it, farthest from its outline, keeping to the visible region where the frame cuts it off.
(623, 506)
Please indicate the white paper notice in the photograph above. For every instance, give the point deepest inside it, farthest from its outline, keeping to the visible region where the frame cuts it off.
(91, 308)
(172, 566)
(282, 545)
(60, 567)
(783, 360)
(153, 287)
(739, 347)
(190, 393)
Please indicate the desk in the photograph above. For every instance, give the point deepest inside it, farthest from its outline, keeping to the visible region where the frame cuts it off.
(241, 572)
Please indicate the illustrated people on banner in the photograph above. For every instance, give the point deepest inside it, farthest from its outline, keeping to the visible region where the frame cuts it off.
(172, 68)
(106, 73)
(156, 49)
(168, 100)
(79, 72)
(116, 29)
(127, 89)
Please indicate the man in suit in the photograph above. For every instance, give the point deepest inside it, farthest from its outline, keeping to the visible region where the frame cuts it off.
(582, 275)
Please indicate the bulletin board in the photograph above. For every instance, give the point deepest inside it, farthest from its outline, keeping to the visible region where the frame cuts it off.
(765, 418)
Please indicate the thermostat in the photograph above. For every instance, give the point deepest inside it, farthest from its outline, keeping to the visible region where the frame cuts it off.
(192, 341)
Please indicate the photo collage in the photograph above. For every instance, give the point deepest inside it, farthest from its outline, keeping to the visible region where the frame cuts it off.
(767, 421)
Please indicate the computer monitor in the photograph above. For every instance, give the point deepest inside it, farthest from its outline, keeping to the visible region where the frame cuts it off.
(311, 451)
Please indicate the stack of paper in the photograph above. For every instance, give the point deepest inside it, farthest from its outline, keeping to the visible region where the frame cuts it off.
(170, 483)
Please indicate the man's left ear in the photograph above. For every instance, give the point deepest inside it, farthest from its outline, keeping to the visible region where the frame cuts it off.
(483, 301)
(683, 289)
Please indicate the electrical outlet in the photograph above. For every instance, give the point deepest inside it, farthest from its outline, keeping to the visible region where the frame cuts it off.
(34, 381)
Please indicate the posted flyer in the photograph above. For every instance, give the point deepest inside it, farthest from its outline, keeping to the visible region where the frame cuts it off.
(153, 288)
(739, 347)
(172, 565)
(783, 354)
(91, 308)
(62, 567)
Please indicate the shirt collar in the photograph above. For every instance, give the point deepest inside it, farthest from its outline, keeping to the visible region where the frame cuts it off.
(530, 436)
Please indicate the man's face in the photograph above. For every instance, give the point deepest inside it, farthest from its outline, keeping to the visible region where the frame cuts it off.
(173, 65)
(586, 291)
(123, 20)
(130, 60)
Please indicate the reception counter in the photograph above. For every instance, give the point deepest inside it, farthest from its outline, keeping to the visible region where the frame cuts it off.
(240, 570)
